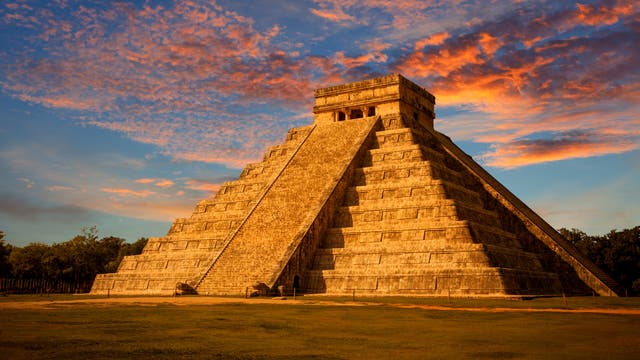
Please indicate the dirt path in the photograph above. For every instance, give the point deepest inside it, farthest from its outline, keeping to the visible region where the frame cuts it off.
(207, 300)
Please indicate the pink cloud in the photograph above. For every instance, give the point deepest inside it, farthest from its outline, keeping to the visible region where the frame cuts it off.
(28, 183)
(161, 183)
(201, 185)
(128, 192)
(167, 75)
(60, 188)
(333, 15)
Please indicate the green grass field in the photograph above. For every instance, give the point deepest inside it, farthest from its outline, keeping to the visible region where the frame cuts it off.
(308, 331)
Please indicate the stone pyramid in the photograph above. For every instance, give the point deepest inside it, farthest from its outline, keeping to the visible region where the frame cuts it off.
(368, 199)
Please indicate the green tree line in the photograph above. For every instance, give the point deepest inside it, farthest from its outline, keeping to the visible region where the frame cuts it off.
(75, 261)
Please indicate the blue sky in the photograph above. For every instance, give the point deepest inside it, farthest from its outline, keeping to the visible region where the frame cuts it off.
(124, 114)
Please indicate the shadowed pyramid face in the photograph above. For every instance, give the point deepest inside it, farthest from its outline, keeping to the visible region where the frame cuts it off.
(371, 199)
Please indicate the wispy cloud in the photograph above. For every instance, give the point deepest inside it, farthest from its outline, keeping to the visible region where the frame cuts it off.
(204, 83)
(104, 183)
(162, 183)
(176, 76)
(27, 183)
(27, 210)
(128, 192)
(572, 144)
(407, 19)
(60, 188)
(201, 185)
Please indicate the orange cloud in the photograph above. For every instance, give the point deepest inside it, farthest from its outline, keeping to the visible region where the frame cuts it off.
(567, 146)
(550, 85)
(445, 59)
(593, 15)
(435, 39)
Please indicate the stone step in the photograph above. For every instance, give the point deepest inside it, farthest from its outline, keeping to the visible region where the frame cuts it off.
(160, 265)
(358, 216)
(462, 255)
(241, 186)
(183, 246)
(396, 154)
(196, 227)
(259, 170)
(237, 196)
(394, 138)
(413, 208)
(451, 233)
(348, 259)
(202, 236)
(435, 189)
(219, 204)
(397, 247)
(436, 282)
(393, 122)
(491, 235)
(144, 284)
(416, 171)
(172, 255)
(230, 214)
(401, 154)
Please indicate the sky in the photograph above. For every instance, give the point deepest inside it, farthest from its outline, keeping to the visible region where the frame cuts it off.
(124, 114)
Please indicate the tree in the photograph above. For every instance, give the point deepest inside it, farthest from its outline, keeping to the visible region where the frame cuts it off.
(621, 255)
(5, 252)
(27, 261)
(617, 253)
(77, 261)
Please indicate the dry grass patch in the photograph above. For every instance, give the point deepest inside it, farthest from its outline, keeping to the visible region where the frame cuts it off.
(278, 331)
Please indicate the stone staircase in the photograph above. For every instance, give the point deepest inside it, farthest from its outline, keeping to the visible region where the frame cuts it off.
(261, 248)
(410, 226)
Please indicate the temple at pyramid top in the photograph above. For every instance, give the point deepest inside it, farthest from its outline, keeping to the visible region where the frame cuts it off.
(392, 94)
(367, 199)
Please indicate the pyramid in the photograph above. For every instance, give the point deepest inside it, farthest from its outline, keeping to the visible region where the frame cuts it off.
(368, 199)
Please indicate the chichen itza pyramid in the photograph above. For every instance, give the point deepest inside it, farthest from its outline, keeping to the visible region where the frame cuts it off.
(368, 199)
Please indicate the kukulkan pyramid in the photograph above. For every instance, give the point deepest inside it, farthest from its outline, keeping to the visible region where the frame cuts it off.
(368, 199)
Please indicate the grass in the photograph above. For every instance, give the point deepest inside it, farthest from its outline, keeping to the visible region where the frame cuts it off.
(573, 303)
(281, 331)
